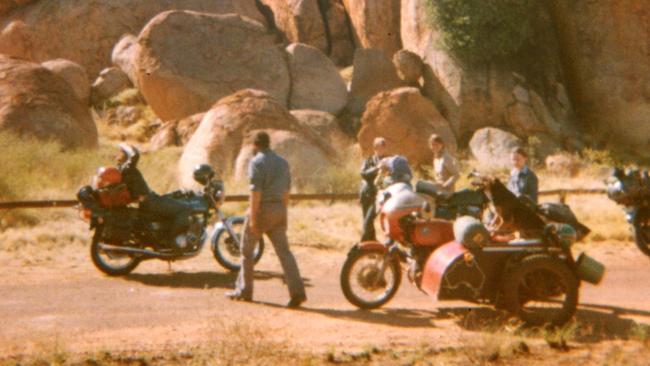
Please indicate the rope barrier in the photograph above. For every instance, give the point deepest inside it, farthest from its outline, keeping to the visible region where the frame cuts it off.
(563, 193)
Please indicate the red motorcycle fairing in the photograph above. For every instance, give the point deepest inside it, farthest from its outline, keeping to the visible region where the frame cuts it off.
(437, 264)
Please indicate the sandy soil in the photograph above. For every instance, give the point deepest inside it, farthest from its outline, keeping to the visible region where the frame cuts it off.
(65, 300)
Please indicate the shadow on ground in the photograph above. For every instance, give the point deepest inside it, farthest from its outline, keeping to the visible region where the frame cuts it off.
(199, 280)
(593, 323)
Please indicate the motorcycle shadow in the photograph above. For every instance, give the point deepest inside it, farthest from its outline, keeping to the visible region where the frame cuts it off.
(593, 322)
(199, 280)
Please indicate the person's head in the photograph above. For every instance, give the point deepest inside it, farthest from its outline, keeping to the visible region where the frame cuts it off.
(436, 143)
(379, 146)
(261, 141)
(121, 157)
(127, 152)
(518, 158)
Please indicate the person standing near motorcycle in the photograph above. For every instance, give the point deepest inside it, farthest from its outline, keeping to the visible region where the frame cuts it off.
(368, 190)
(445, 167)
(270, 182)
(149, 201)
(523, 181)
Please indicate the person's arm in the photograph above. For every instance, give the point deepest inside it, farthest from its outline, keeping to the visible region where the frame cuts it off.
(368, 171)
(452, 169)
(256, 181)
(532, 186)
(255, 200)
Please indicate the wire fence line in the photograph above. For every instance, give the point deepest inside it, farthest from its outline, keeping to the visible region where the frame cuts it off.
(561, 193)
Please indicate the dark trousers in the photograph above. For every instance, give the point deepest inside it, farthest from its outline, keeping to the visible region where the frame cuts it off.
(272, 222)
(369, 214)
(168, 209)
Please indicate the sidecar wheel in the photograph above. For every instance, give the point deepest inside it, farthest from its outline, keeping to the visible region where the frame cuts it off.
(541, 290)
(363, 284)
(226, 248)
(641, 230)
(111, 264)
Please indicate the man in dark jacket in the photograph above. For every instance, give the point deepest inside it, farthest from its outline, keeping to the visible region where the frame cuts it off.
(150, 202)
(368, 192)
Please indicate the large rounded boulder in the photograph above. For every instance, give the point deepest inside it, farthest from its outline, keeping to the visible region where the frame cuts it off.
(376, 23)
(492, 147)
(327, 126)
(405, 119)
(36, 102)
(85, 31)
(188, 60)
(124, 54)
(475, 94)
(373, 72)
(605, 50)
(299, 21)
(307, 162)
(225, 127)
(74, 74)
(315, 81)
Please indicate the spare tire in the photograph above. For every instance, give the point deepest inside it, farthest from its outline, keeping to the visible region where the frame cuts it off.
(471, 232)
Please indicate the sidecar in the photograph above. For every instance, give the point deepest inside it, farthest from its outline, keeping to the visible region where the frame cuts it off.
(536, 279)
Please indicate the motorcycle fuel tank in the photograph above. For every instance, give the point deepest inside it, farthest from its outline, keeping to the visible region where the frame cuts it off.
(432, 233)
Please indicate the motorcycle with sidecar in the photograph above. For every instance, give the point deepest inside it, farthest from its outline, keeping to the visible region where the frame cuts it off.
(536, 277)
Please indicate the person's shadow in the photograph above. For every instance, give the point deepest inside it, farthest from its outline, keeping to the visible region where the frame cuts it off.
(199, 280)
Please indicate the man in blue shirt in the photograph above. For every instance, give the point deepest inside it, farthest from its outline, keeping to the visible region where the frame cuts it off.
(270, 182)
(523, 182)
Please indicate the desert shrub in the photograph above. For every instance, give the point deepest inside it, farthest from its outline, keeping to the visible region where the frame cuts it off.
(485, 30)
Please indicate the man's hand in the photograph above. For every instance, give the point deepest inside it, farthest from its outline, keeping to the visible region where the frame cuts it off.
(254, 227)
(255, 202)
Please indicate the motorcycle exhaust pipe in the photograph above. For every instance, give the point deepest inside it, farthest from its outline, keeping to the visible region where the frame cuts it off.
(143, 252)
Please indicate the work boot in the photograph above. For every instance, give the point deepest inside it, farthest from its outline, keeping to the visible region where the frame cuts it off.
(295, 302)
(237, 295)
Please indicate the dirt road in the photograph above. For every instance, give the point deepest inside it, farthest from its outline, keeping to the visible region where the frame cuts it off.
(66, 300)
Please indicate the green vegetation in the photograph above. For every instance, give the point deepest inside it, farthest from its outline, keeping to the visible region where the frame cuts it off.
(485, 30)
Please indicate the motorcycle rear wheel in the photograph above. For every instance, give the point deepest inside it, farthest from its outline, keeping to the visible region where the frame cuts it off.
(226, 248)
(111, 264)
(541, 290)
(641, 229)
(362, 282)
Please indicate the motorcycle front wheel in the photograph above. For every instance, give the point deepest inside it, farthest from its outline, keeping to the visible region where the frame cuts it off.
(226, 247)
(370, 279)
(641, 230)
(111, 263)
(541, 290)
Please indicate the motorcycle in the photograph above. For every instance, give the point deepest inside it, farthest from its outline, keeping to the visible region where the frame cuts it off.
(631, 189)
(466, 202)
(124, 236)
(535, 278)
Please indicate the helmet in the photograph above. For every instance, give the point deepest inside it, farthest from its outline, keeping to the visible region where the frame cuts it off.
(203, 173)
(108, 175)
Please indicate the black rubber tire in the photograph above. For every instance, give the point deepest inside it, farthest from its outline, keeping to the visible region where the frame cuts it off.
(222, 235)
(641, 230)
(107, 269)
(354, 256)
(513, 282)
